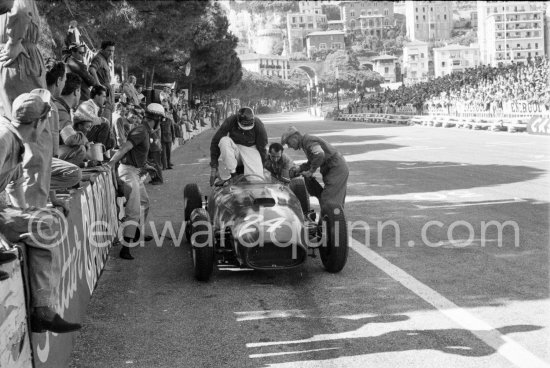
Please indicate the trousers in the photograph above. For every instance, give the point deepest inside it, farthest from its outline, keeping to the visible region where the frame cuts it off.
(232, 154)
(137, 199)
(39, 230)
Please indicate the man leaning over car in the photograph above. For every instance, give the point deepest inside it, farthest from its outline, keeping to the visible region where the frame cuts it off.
(241, 139)
(320, 155)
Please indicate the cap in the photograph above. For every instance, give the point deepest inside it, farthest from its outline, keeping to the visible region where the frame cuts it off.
(289, 133)
(245, 118)
(32, 106)
(155, 110)
(85, 112)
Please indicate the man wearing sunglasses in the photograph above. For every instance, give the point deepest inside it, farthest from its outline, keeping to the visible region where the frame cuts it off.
(241, 139)
(76, 65)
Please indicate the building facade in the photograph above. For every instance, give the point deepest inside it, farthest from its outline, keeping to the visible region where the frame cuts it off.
(417, 62)
(429, 20)
(385, 66)
(328, 40)
(455, 58)
(510, 31)
(299, 25)
(368, 17)
(268, 65)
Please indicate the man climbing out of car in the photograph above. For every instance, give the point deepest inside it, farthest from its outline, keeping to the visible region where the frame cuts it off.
(320, 155)
(278, 163)
(241, 139)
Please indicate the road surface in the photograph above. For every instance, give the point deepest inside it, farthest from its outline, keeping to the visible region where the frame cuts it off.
(430, 284)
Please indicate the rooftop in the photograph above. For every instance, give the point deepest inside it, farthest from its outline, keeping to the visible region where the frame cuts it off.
(384, 57)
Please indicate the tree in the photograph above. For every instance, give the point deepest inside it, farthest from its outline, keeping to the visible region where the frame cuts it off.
(155, 37)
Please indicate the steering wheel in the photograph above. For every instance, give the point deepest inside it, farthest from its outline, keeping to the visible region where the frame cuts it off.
(245, 178)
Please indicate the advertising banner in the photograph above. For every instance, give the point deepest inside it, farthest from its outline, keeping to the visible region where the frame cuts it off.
(523, 107)
(87, 235)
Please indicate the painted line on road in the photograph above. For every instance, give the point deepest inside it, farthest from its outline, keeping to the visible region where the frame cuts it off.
(503, 345)
(289, 353)
(515, 200)
(427, 167)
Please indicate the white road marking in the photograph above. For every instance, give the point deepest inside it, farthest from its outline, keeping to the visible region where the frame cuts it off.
(288, 353)
(515, 200)
(427, 167)
(502, 344)
(267, 314)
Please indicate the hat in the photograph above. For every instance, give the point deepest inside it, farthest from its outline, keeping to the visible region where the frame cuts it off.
(289, 133)
(154, 110)
(85, 112)
(245, 118)
(29, 107)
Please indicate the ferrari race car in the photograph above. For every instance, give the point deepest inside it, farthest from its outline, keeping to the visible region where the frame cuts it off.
(257, 224)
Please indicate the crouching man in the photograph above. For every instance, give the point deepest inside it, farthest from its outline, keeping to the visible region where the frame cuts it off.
(278, 163)
(241, 140)
(31, 226)
(320, 155)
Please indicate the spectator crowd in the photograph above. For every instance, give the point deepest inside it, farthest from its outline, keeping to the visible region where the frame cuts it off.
(483, 86)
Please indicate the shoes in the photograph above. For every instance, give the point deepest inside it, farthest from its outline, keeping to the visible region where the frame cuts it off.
(125, 253)
(41, 321)
(170, 167)
(6, 257)
(4, 275)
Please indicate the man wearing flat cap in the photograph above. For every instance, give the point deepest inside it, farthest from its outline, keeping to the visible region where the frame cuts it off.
(241, 139)
(27, 225)
(320, 155)
(133, 156)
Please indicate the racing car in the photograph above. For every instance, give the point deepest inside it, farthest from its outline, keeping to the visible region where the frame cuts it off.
(254, 223)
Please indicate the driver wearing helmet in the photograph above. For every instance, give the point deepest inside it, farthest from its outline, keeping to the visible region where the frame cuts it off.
(241, 139)
(132, 156)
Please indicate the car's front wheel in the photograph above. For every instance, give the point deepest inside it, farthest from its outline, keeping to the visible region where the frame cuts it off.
(334, 247)
(202, 244)
(192, 199)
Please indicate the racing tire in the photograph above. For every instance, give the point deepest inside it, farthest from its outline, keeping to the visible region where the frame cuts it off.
(192, 199)
(202, 245)
(334, 249)
(298, 186)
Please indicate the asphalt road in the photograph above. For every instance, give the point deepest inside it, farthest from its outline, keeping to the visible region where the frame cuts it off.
(425, 287)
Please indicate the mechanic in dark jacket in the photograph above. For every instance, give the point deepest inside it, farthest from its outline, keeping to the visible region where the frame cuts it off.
(320, 155)
(241, 139)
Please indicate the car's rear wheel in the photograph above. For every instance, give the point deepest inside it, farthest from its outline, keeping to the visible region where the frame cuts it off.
(334, 248)
(298, 186)
(192, 199)
(202, 244)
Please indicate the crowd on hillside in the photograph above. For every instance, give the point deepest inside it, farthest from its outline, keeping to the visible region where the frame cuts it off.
(482, 85)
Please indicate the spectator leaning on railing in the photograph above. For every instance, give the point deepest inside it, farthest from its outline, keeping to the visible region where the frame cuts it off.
(29, 117)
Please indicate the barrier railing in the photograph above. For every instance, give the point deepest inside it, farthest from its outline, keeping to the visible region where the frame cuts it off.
(86, 236)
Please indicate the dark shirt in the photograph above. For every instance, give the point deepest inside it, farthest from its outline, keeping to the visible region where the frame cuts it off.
(79, 68)
(256, 136)
(318, 152)
(167, 130)
(103, 70)
(140, 138)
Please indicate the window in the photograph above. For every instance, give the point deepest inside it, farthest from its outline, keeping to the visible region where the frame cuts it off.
(456, 62)
(362, 12)
(536, 45)
(386, 22)
(432, 25)
(519, 54)
(386, 12)
(431, 9)
(423, 17)
(443, 64)
(417, 26)
(322, 46)
(445, 16)
(417, 17)
(437, 16)
(352, 13)
(423, 10)
(386, 70)
(422, 55)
